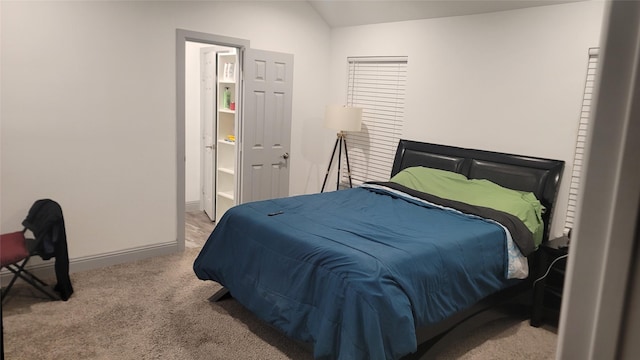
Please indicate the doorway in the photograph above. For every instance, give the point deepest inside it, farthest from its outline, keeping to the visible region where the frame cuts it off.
(188, 40)
(200, 126)
(258, 167)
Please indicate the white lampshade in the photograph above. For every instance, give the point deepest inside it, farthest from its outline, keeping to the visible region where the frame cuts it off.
(343, 118)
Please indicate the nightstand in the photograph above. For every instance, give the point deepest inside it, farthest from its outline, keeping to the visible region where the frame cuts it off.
(547, 291)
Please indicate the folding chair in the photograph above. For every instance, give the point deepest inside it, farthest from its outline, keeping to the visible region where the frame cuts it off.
(15, 252)
(46, 223)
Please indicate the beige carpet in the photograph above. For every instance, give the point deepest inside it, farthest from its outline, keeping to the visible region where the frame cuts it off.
(158, 309)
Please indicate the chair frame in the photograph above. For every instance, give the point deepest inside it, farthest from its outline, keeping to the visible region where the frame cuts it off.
(19, 271)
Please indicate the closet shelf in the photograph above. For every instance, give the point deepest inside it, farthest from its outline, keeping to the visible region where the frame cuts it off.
(226, 194)
(226, 142)
(226, 170)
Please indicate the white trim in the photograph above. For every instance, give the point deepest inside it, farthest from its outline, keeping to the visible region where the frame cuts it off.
(46, 269)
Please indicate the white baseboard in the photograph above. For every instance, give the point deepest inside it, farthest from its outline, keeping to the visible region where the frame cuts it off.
(45, 269)
(192, 206)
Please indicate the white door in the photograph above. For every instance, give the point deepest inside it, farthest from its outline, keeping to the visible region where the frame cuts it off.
(266, 124)
(208, 118)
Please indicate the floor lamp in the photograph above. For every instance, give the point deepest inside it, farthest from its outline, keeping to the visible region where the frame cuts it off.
(343, 119)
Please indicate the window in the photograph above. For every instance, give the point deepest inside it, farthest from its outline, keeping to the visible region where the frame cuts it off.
(581, 140)
(377, 85)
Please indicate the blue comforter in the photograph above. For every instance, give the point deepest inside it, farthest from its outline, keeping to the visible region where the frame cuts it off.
(356, 271)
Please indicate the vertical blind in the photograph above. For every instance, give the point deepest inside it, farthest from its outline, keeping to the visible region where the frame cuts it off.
(581, 140)
(377, 85)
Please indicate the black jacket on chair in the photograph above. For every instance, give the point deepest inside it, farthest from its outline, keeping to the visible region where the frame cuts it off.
(46, 222)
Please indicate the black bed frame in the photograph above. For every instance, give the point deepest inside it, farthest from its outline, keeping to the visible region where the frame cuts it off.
(525, 173)
(537, 175)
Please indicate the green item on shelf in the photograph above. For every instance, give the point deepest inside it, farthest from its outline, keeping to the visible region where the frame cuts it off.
(226, 102)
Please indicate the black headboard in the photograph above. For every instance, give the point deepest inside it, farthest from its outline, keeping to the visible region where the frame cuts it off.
(537, 175)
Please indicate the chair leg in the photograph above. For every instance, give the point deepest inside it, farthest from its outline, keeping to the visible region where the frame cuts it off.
(13, 280)
(16, 274)
(30, 278)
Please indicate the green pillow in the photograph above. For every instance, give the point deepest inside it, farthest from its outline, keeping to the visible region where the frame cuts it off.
(479, 192)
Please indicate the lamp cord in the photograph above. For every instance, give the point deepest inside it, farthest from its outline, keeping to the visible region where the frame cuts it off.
(549, 268)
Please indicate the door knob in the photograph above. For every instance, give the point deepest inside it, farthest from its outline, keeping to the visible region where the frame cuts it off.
(209, 146)
(285, 155)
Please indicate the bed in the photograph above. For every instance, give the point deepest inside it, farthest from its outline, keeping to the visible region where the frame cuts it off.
(383, 270)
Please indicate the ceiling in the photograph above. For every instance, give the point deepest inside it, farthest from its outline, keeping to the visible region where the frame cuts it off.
(339, 13)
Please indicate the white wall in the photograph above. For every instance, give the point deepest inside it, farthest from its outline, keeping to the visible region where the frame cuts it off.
(193, 183)
(88, 97)
(510, 81)
(89, 108)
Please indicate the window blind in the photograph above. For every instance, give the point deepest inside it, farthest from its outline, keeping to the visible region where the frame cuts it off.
(583, 128)
(377, 85)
